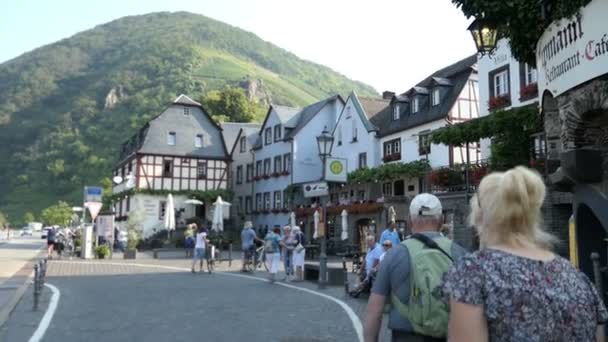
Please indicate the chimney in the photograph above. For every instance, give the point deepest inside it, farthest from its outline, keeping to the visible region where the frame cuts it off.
(387, 95)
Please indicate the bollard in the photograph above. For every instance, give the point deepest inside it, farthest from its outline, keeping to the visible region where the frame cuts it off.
(36, 286)
(597, 273)
(230, 255)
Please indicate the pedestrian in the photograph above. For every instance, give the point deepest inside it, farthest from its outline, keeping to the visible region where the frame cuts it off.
(409, 275)
(189, 240)
(272, 248)
(391, 234)
(248, 238)
(199, 247)
(51, 237)
(515, 288)
(386, 246)
(299, 253)
(372, 259)
(289, 244)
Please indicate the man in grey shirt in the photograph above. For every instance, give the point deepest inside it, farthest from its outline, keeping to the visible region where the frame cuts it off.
(394, 274)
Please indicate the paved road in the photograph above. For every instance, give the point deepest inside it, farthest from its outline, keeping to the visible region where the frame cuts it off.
(121, 302)
(16, 252)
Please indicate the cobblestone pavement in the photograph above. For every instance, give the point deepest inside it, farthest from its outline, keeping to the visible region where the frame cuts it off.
(115, 300)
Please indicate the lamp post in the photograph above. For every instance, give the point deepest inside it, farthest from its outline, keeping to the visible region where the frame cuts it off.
(485, 35)
(325, 142)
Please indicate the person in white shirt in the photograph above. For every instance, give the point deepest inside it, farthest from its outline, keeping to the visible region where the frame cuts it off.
(199, 248)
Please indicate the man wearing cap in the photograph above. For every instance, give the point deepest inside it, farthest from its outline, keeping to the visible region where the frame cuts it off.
(394, 276)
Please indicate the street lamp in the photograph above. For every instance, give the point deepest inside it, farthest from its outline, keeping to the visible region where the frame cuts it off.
(485, 34)
(325, 142)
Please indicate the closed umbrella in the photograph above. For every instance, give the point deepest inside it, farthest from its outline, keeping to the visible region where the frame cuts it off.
(217, 224)
(170, 215)
(344, 225)
(316, 220)
(292, 219)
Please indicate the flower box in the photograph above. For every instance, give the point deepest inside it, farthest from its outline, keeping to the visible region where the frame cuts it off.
(477, 173)
(528, 91)
(265, 211)
(275, 174)
(447, 177)
(257, 178)
(285, 173)
(276, 211)
(266, 177)
(391, 157)
(284, 210)
(498, 102)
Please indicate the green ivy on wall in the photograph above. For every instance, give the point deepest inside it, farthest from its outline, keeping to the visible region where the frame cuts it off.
(510, 131)
(521, 21)
(388, 172)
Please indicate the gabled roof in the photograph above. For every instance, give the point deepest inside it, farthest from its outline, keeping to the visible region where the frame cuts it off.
(232, 131)
(360, 110)
(185, 100)
(373, 106)
(309, 112)
(457, 74)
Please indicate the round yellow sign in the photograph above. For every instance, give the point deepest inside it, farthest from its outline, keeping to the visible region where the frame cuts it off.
(336, 167)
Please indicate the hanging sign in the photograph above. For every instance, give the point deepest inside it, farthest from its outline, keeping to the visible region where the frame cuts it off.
(573, 50)
(316, 189)
(335, 170)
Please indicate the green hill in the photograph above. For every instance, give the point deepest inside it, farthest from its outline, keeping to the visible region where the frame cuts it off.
(66, 107)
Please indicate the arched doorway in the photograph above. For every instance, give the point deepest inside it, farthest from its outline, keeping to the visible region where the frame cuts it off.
(363, 227)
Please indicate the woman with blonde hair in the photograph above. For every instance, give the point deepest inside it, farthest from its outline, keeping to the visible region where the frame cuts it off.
(515, 288)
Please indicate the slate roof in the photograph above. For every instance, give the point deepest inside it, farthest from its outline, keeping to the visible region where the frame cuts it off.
(232, 132)
(309, 112)
(457, 74)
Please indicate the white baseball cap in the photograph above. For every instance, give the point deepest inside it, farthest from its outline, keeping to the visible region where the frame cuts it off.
(425, 205)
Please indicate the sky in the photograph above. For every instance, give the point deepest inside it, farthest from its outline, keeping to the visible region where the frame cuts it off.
(388, 44)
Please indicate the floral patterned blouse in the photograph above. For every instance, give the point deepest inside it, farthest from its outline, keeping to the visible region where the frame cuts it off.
(526, 299)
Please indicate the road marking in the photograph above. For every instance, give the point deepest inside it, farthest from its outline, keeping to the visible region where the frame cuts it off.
(349, 312)
(48, 315)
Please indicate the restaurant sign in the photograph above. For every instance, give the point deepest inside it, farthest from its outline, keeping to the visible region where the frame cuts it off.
(573, 50)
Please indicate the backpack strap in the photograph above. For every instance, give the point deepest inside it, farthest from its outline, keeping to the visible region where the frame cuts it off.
(430, 243)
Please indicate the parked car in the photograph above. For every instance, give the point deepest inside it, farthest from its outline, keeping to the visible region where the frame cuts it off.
(26, 231)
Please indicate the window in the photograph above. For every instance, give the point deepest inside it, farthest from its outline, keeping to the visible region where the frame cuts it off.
(362, 160)
(171, 138)
(198, 141)
(435, 97)
(415, 105)
(339, 137)
(399, 188)
(529, 75)
(424, 144)
(277, 133)
(277, 200)
(167, 168)
(348, 112)
(354, 131)
(258, 168)
(387, 189)
(397, 146)
(411, 188)
(162, 209)
(239, 174)
(201, 170)
(243, 144)
(258, 202)
(396, 112)
(247, 204)
(501, 83)
(186, 111)
(388, 149)
(278, 164)
(249, 173)
(239, 210)
(392, 150)
(268, 136)
(287, 162)
(267, 167)
(267, 201)
(361, 195)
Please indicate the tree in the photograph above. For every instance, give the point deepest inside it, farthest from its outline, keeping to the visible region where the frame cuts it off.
(57, 214)
(231, 104)
(522, 21)
(28, 217)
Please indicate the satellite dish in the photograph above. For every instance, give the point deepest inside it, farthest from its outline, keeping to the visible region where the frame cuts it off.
(117, 180)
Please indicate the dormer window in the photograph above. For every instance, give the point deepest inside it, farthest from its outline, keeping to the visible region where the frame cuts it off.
(171, 138)
(186, 111)
(435, 97)
(396, 112)
(415, 105)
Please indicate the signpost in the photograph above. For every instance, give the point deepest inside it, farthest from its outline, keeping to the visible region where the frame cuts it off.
(315, 189)
(335, 170)
(93, 202)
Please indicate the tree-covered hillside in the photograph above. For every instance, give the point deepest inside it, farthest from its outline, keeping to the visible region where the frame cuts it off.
(66, 107)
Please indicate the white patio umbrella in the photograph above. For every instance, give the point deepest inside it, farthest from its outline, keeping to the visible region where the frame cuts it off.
(170, 215)
(344, 225)
(193, 201)
(217, 223)
(292, 219)
(316, 220)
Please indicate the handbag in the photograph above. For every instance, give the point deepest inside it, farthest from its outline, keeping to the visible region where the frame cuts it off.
(299, 248)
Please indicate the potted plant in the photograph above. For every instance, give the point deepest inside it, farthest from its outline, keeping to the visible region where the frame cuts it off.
(498, 102)
(132, 241)
(529, 91)
(102, 251)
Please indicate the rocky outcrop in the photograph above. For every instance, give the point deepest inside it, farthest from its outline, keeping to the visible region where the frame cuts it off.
(113, 97)
(255, 90)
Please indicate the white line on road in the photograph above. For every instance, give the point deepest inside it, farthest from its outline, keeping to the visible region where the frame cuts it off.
(48, 315)
(351, 314)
